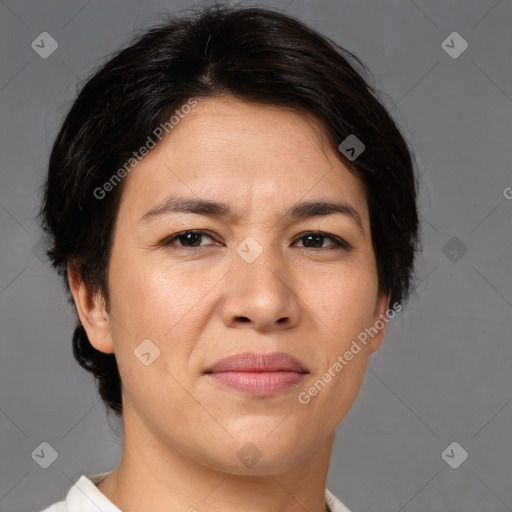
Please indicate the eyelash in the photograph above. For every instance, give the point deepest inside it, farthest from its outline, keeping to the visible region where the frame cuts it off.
(169, 241)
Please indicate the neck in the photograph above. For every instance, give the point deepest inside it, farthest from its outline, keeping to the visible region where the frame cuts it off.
(152, 475)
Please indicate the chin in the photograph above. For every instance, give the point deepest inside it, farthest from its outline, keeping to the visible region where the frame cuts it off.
(256, 453)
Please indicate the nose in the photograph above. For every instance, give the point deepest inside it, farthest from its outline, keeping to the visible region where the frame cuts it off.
(260, 295)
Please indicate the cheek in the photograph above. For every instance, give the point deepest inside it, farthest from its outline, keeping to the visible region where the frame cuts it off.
(344, 300)
(152, 299)
(157, 304)
(344, 307)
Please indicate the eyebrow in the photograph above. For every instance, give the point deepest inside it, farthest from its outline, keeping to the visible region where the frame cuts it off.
(211, 208)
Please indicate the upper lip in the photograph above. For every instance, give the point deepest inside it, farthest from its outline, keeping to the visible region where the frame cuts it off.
(258, 362)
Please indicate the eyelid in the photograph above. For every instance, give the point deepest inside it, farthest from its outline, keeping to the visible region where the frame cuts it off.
(168, 241)
(338, 242)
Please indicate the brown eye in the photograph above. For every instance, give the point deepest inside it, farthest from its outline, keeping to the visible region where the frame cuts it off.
(186, 239)
(315, 240)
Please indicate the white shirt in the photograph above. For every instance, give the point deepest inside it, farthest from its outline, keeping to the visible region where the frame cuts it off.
(84, 496)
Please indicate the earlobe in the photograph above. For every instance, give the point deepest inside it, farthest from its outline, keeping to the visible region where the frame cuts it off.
(379, 321)
(92, 313)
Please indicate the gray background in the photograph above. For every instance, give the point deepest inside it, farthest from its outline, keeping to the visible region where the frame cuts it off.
(444, 371)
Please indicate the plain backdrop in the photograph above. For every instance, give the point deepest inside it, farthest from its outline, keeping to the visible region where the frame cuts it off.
(444, 372)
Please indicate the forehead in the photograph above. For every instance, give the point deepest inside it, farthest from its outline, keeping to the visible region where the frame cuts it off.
(245, 154)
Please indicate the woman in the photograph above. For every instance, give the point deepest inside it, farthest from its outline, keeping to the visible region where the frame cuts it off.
(234, 214)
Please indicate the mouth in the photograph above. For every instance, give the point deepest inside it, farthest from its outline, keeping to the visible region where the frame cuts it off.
(258, 374)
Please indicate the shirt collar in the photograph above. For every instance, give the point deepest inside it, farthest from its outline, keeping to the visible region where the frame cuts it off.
(84, 496)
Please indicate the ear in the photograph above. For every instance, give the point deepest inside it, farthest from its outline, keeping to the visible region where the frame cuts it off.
(92, 313)
(379, 321)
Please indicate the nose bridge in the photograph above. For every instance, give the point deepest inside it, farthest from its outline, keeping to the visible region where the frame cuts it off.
(260, 289)
(261, 268)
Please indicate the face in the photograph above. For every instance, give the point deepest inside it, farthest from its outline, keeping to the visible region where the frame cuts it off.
(192, 283)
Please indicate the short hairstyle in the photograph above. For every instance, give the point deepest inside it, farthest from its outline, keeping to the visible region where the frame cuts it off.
(255, 55)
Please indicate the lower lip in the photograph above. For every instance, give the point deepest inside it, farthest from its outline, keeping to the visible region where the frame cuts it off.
(258, 383)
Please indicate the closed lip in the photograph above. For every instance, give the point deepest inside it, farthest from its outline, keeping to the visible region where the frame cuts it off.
(258, 362)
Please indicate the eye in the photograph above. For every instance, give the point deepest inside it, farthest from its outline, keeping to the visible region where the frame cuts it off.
(314, 240)
(186, 239)
(191, 239)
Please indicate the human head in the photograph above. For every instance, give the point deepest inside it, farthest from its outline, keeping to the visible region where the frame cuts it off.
(256, 55)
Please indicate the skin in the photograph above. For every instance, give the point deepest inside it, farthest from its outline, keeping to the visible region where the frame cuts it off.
(182, 430)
